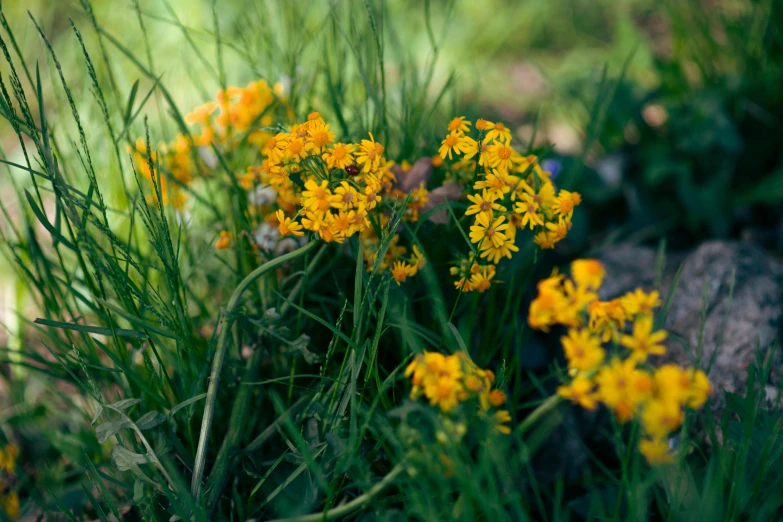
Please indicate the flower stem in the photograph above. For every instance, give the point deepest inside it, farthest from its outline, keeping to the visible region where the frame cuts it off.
(539, 412)
(220, 354)
(353, 505)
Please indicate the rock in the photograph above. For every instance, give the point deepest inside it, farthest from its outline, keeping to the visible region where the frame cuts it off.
(735, 327)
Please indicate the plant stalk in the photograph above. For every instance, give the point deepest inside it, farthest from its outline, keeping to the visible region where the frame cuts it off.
(351, 506)
(220, 354)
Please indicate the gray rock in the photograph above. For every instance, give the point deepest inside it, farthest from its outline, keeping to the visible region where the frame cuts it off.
(733, 329)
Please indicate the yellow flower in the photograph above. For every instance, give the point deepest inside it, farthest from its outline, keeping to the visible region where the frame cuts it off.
(614, 383)
(201, 114)
(588, 273)
(400, 271)
(607, 319)
(437, 161)
(497, 398)
(502, 418)
(459, 124)
(454, 142)
(495, 181)
(316, 196)
(644, 341)
(360, 222)
(498, 131)
(339, 156)
(672, 383)
(547, 304)
(10, 504)
(656, 451)
(224, 241)
(8, 457)
(418, 261)
(528, 209)
(341, 223)
(641, 387)
(661, 417)
(488, 230)
(582, 350)
(482, 124)
(287, 225)
(559, 230)
(275, 147)
(345, 197)
(639, 302)
(444, 392)
(484, 202)
(699, 390)
(580, 392)
(369, 155)
(565, 202)
(544, 240)
(463, 285)
(500, 156)
(494, 253)
(319, 136)
(295, 149)
(482, 279)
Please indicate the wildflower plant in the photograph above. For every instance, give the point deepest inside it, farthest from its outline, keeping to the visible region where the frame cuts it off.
(508, 192)
(610, 348)
(234, 340)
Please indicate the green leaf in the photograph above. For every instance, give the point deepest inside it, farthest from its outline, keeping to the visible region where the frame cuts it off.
(45, 222)
(125, 459)
(131, 100)
(457, 336)
(119, 332)
(182, 404)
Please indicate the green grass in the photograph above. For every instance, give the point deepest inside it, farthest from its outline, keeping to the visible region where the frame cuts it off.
(129, 382)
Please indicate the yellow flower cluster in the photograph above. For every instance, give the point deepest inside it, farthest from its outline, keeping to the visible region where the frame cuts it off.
(511, 192)
(238, 114)
(334, 190)
(607, 347)
(9, 498)
(448, 380)
(174, 166)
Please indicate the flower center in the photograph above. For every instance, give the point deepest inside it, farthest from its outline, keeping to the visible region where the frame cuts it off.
(490, 232)
(484, 206)
(504, 153)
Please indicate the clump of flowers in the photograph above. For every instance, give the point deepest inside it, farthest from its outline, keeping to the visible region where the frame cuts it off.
(238, 115)
(447, 381)
(309, 182)
(510, 192)
(9, 498)
(608, 348)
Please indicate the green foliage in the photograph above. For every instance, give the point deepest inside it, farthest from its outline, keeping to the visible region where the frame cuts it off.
(699, 147)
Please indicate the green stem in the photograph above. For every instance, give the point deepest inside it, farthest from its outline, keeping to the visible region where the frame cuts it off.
(353, 505)
(220, 354)
(539, 412)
